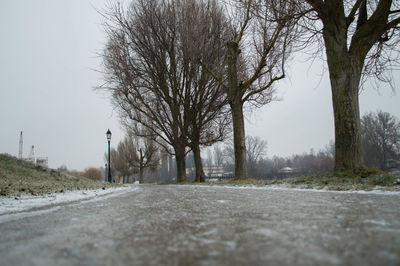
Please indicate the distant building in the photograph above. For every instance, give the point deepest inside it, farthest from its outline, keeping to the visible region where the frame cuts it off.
(42, 161)
(214, 171)
(286, 170)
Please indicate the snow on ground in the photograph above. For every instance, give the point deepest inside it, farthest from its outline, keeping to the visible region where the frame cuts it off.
(24, 203)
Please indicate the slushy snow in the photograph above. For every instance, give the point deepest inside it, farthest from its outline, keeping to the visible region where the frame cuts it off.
(25, 202)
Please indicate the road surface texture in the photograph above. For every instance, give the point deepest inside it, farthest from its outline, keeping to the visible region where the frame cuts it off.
(196, 225)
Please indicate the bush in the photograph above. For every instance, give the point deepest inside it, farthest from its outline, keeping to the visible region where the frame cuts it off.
(93, 173)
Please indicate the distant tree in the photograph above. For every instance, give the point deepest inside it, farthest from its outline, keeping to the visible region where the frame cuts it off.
(134, 155)
(164, 169)
(306, 163)
(381, 138)
(93, 173)
(256, 54)
(117, 165)
(209, 159)
(126, 158)
(256, 150)
(147, 156)
(278, 163)
(218, 155)
(62, 168)
(361, 39)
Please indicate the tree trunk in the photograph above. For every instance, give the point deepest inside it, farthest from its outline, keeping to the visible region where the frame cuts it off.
(348, 142)
(141, 168)
(239, 141)
(235, 101)
(345, 74)
(180, 164)
(198, 164)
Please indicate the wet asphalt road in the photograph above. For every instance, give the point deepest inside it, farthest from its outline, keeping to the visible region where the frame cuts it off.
(193, 225)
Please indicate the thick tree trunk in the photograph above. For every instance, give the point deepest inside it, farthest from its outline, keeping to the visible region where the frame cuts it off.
(180, 165)
(239, 141)
(348, 141)
(235, 99)
(345, 74)
(198, 164)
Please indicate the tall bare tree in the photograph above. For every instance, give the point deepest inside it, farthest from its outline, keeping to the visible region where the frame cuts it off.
(204, 98)
(361, 38)
(153, 71)
(256, 55)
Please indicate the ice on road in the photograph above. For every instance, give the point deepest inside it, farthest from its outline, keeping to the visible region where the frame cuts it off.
(203, 225)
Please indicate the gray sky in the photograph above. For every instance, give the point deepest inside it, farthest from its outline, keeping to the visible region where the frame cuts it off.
(48, 50)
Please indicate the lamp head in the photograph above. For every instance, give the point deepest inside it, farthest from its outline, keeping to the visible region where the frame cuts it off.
(108, 134)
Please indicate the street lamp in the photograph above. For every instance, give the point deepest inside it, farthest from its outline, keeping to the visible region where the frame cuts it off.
(108, 134)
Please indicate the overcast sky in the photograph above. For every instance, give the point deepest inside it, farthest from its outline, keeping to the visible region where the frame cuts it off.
(48, 50)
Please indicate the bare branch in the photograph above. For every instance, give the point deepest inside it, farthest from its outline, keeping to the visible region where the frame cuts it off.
(350, 18)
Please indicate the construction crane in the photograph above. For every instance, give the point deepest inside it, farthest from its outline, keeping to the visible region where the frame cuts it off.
(42, 161)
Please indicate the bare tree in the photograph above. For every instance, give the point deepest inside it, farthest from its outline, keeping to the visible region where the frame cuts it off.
(153, 72)
(218, 155)
(122, 159)
(147, 154)
(126, 158)
(133, 155)
(361, 39)
(256, 150)
(117, 165)
(381, 137)
(256, 55)
(205, 99)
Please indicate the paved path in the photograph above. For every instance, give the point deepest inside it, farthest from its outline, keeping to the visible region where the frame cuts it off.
(194, 225)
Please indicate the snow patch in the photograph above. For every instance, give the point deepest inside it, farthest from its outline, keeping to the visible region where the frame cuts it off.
(382, 222)
(267, 232)
(24, 203)
(15, 216)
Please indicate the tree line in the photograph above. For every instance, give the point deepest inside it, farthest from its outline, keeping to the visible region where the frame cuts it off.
(181, 73)
(381, 138)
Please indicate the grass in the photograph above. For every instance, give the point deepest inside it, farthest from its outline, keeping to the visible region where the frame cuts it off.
(366, 179)
(18, 177)
(344, 181)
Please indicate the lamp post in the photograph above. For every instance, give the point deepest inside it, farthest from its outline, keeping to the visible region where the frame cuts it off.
(105, 178)
(108, 134)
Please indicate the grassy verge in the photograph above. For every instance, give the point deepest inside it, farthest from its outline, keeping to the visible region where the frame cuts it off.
(364, 180)
(19, 177)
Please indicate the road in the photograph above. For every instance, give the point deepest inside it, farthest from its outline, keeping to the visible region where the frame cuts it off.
(195, 225)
